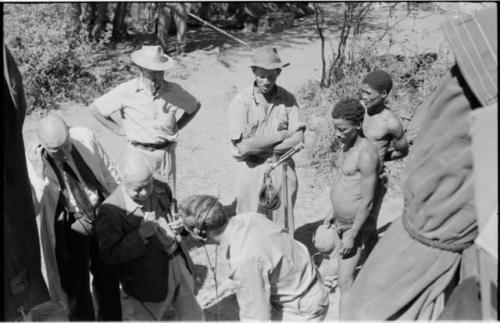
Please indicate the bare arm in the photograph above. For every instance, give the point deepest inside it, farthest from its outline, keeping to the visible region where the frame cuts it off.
(258, 144)
(290, 142)
(399, 141)
(108, 122)
(186, 118)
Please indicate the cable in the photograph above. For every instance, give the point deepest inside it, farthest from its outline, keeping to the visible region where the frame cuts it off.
(214, 269)
(149, 312)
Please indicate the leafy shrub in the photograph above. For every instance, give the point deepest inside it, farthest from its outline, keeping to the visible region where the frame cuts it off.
(55, 62)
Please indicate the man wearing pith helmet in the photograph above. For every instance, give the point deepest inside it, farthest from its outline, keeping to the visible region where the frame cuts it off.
(148, 107)
(263, 124)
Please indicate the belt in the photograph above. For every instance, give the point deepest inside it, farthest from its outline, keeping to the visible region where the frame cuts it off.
(177, 251)
(149, 146)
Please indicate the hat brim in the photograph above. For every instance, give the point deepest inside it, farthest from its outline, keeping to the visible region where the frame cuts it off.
(270, 66)
(153, 66)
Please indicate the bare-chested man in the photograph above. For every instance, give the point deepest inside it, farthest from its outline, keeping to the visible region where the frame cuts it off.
(353, 190)
(381, 127)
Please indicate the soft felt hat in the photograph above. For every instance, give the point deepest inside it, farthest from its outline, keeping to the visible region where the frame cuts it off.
(267, 58)
(152, 58)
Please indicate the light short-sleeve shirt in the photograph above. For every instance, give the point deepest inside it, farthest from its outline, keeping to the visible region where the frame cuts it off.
(244, 111)
(144, 115)
(267, 264)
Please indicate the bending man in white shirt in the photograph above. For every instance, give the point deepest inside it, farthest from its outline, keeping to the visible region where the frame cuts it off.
(274, 273)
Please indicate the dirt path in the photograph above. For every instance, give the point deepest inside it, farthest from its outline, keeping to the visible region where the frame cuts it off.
(205, 165)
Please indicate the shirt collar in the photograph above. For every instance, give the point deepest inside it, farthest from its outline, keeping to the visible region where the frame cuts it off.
(141, 85)
(130, 205)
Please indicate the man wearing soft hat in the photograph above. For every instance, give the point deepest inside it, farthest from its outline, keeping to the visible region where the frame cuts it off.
(263, 124)
(147, 106)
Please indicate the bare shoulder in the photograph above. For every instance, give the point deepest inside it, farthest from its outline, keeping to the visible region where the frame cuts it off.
(391, 120)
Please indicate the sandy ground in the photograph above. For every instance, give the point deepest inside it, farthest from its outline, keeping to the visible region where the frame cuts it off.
(205, 165)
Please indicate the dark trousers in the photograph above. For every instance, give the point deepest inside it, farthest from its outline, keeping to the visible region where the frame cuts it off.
(77, 255)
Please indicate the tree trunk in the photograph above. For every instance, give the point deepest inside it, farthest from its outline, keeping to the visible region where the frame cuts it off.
(317, 12)
(203, 11)
(100, 14)
(119, 26)
(76, 15)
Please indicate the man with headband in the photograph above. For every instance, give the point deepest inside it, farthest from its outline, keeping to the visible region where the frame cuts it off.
(274, 273)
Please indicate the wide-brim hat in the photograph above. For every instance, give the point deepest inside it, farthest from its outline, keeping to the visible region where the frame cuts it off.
(267, 58)
(152, 58)
(326, 239)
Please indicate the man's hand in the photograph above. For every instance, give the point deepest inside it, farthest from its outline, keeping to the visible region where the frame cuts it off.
(177, 225)
(347, 244)
(169, 107)
(35, 158)
(249, 130)
(147, 229)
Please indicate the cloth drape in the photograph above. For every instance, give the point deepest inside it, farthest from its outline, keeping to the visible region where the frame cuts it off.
(23, 282)
(414, 265)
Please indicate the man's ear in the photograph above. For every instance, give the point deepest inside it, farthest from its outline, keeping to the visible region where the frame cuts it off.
(278, 72)
(384, 93)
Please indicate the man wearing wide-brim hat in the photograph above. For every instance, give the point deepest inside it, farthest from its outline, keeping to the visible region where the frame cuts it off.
(263, 124)
(147, 107)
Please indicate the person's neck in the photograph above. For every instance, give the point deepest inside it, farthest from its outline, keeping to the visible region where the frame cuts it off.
(375, 109)
(149, 83)
(354, 142)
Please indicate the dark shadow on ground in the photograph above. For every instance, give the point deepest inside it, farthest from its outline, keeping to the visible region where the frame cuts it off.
(226, 309)
(305, 233)
(207, 39)
(199, 274)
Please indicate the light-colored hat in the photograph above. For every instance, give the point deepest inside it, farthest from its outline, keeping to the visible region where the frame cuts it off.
(325, 239)
(267, 58)
(152, 58)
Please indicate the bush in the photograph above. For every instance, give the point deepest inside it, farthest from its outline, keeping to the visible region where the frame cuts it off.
(415, 77)
(56, 63)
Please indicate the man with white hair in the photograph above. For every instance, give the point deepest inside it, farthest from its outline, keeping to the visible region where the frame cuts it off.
(147, 108)
(138, 236)
(71, 175)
